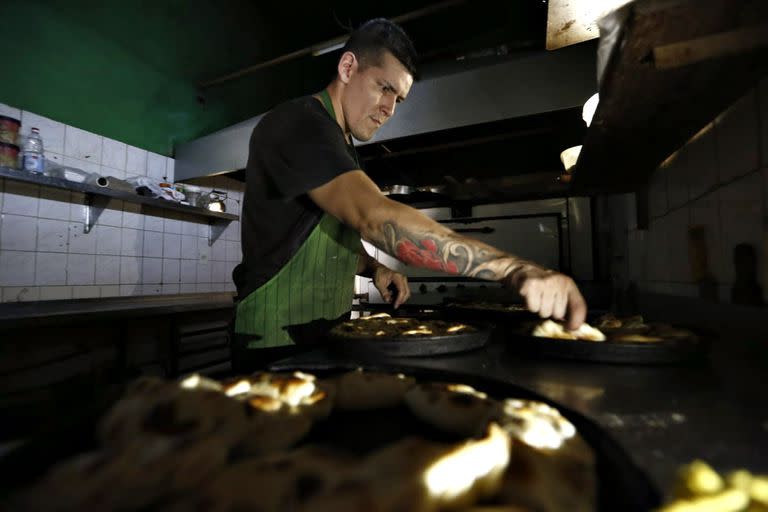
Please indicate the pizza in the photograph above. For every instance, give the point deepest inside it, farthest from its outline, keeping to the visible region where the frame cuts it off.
(384, 326)
(177, 446)
(552, 329)
(632, 329)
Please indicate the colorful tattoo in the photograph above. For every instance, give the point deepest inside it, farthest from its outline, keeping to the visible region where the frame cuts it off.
(448, 253)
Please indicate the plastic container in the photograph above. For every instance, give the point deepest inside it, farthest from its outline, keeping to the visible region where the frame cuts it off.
(32, 156)
(194, 194)
(9, 154)
(9, 130)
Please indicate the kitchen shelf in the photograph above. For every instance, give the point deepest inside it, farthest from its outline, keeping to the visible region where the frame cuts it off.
(675, 67)
(96, 198)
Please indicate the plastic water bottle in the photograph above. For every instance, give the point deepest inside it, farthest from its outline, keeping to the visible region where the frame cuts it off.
(32, 157)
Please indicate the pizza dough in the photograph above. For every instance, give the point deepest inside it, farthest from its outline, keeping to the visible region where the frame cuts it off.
(359, 390)
(552, 329)
(454, 408)
(382, 325)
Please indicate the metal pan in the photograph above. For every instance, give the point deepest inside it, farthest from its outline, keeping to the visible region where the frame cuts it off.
(425, 346)
(661, 352)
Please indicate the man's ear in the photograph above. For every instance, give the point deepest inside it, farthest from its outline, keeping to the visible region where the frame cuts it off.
(347, 66)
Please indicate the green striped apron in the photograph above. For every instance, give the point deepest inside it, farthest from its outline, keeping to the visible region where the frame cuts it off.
(317, 282)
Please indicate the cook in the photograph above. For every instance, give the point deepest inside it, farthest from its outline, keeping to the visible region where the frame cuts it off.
(308, 203)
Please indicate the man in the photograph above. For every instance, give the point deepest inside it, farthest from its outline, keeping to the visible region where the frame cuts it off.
(308, 203)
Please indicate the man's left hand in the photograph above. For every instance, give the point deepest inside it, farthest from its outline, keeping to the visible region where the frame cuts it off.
(384, 277)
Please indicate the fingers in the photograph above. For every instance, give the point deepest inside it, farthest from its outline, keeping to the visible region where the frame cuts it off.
(555, 295)
(382, 284)
(577, 309)
(403, 291)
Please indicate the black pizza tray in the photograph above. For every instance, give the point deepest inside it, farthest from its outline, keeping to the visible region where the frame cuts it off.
(319, 332)
(670, 351)
(621, 484)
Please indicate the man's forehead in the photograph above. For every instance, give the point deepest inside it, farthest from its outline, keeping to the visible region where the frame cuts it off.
(394, 73)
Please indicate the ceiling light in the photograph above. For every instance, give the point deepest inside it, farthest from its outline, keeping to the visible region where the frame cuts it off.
(328, 48)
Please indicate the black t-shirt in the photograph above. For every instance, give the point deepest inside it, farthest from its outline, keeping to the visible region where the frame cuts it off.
(295, 148)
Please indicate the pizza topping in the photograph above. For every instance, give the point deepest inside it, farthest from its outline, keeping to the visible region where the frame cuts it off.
(382, 325)
(552, 329)
(536, 423)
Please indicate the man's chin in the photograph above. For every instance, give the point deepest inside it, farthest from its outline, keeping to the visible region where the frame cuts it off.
(363, 137)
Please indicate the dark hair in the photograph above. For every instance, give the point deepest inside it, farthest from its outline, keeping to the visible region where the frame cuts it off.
(373, 37)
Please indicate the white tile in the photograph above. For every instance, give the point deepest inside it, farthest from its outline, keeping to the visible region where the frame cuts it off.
(188, 288)
(151, 270)
(52, 132)
(763, 99)
(171, 246)
(53, 159)
(55, 292)
(230, 287)
(17, 268)
(171, 271)
(219, 250)
(82, 243)
(219, 272)
(170, 289)
(113, 153)
(203, 250)
(218, 287)
(233, 251)
(128, 290)
(203, 229)
(705, 214)
(83, 165)
(7, 110)
(132, 216)
(135, 161)
(130, 271)
(152, 289)
(20, 293)
(81, 269)
(156, 166)
(171, 225)
(203, 288)
(741, 212)
(203, 273)
(736, 131)
(111, 214)
(701, 155)
(188, 271)
(189, 248)
(54, 203)
(153, 244)
(189, 228)
(18, 233)
(85, 292)
(20, 198)
(52, 235)
(170, 169)
(132, 243)
(77, 207)
(656, 268)
(107, 270)
(153, 223)
(109, 291)
(108, 240)
(677, 180)
(82, 145)
(677, 249)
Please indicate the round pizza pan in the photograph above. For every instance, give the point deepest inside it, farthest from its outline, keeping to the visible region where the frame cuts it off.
(422, 346)
(661, 352)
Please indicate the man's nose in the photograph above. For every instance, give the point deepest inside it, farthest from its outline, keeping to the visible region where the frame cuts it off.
(388, 107)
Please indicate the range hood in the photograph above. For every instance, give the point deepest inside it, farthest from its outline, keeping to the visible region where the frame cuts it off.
(519, 86)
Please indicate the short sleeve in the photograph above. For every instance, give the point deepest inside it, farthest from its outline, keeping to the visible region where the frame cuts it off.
(300, 147)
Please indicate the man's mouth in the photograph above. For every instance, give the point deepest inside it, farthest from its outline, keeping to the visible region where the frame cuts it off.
(376, 121)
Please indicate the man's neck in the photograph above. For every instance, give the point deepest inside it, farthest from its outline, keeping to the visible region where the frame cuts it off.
(334, 91)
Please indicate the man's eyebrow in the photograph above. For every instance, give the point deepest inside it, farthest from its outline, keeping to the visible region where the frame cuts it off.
(391, 87)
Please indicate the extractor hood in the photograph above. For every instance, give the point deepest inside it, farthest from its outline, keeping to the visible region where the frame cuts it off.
(519, 86)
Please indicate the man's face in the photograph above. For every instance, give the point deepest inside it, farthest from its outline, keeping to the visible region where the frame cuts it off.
(371, 95)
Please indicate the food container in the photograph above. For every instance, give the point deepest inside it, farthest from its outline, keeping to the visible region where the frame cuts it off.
(193, 193)
(9, 154)
(9, 129)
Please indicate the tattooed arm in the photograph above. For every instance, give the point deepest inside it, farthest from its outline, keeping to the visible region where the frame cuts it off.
(417, 240)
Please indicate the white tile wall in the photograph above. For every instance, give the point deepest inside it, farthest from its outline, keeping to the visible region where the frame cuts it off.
(727, 193)
(737, 138)
(45, 255)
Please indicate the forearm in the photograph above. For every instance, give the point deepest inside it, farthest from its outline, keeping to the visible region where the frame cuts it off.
(366, 264)
(417, 240)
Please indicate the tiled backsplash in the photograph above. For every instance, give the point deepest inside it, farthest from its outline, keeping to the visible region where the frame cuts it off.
(715, 189)
(131, 250)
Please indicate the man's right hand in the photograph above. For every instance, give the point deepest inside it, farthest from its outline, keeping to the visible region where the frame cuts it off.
(549, 293)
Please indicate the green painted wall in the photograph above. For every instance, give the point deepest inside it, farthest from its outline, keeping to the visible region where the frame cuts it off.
(126, 70)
